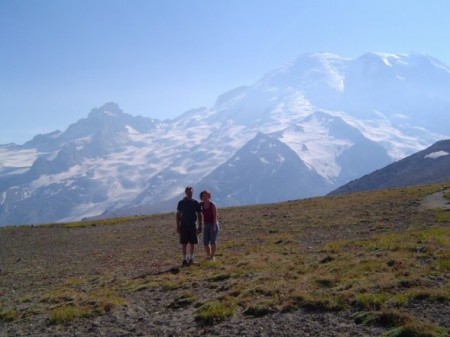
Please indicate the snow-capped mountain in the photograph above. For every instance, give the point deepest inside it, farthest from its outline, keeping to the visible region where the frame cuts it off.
(302, 130)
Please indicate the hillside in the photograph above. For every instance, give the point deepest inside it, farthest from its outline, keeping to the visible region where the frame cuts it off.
(428, 166)
(361, 264)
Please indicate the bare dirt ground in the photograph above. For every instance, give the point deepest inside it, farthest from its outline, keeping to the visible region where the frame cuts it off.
(436, 200)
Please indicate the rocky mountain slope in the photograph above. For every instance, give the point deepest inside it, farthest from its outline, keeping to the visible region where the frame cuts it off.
(325, 120)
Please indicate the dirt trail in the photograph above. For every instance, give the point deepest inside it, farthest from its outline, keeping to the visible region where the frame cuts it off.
(436, 200)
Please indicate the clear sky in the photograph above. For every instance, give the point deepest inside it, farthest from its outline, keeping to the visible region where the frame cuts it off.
(159, 58)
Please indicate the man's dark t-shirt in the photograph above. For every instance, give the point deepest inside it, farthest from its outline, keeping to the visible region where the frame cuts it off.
(188, 209)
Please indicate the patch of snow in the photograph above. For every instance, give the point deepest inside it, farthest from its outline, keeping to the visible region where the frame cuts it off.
(18, 158)
(131, 130)
(438, 154)
(280, 159)
(264, 160)
(45, 180)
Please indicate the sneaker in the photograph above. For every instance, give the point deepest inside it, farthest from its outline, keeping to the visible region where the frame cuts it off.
(184, 264)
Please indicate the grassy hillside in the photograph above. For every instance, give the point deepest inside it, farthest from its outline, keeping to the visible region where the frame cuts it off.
(360, 264)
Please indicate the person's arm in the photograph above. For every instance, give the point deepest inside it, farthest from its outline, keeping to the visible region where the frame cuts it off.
(214, 211)
(200, 222)
(178, 221)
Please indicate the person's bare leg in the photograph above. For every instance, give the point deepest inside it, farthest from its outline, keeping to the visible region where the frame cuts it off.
(208, 250)
(191, 251)
(183, 252)
(213, 250)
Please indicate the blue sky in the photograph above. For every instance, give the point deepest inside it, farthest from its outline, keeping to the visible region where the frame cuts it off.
(60, 59)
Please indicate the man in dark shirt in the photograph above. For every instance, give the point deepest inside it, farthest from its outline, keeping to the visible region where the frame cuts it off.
(188, 211)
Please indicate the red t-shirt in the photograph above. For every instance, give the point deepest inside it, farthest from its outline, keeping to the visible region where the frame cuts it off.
(208, 215)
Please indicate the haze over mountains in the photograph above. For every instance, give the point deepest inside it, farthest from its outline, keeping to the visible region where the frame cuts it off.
(302, 130)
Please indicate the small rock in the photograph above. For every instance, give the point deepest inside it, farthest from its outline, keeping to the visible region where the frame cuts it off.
(327, 259)
(174, 270)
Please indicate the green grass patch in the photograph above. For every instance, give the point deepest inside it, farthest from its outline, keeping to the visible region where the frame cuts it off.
(374, 301)
(442, 215)
(68, 313)
(60, 295)
(104, 301)
(260, 309)
(220, 277)
(171, 285)
(400, 324)
(139, 285)
(213, 312)
(9, 315)
(183, 300)
(385, 318)
(417, 329)
(431, 294)
(443, 265)
(446, 194)
(69, 303)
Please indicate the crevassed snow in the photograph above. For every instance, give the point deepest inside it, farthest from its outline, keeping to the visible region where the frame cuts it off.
(438, 154)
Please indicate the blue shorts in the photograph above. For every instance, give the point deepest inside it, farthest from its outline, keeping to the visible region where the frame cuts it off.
(209, 236)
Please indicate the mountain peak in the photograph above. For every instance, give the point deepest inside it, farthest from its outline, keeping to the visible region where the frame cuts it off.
(109, 109)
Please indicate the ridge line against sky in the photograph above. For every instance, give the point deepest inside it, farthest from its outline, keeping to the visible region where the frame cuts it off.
(60, 59)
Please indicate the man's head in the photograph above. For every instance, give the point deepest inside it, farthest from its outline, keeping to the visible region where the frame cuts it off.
(189, 192)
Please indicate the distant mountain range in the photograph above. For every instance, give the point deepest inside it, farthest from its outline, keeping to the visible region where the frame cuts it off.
(428, 166)
(302, 130)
